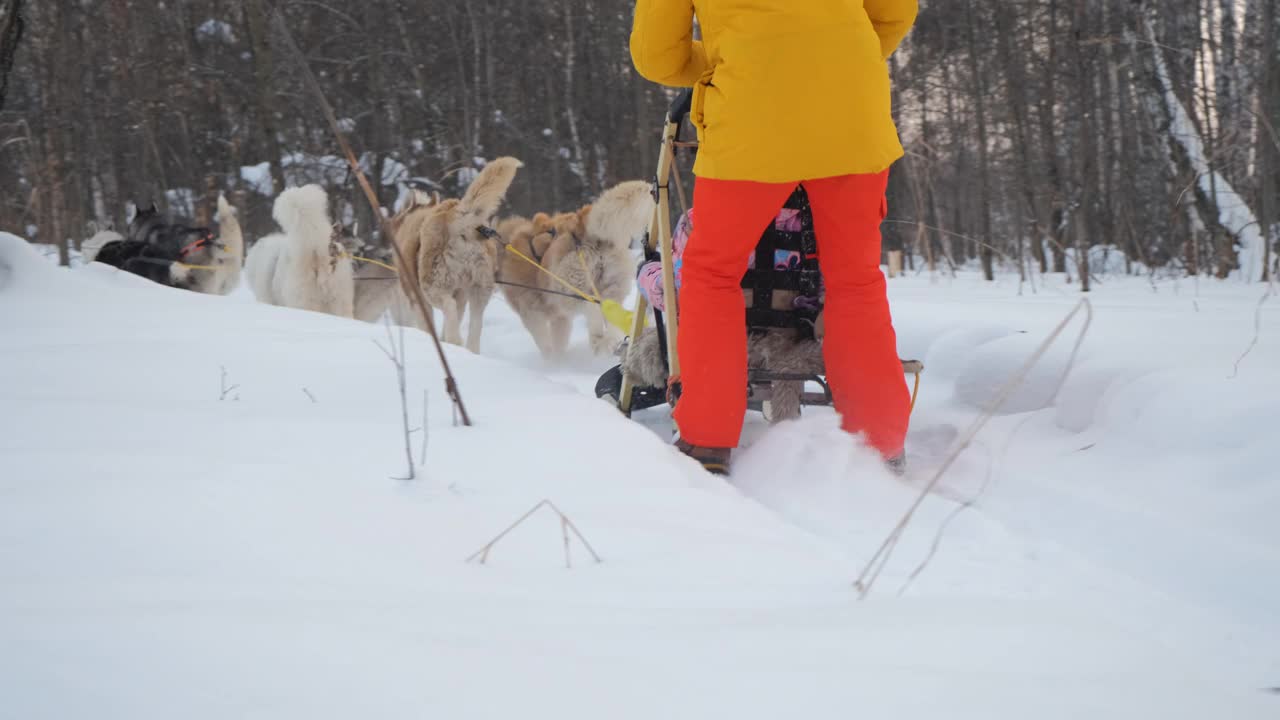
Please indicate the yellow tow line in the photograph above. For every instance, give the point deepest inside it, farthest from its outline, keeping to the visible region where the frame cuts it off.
(614, 313)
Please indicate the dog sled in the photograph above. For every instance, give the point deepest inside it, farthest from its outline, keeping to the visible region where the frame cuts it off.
(783, 295)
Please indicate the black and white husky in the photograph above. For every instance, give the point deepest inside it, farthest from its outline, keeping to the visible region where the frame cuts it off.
(172, 252)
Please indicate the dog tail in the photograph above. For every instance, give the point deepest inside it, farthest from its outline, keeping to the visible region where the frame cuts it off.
(91, 247)
(622, 213)
(490, 187)
(229, 234)
(303, 213)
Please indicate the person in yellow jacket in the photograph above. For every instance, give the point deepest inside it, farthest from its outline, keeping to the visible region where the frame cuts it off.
(785, 92)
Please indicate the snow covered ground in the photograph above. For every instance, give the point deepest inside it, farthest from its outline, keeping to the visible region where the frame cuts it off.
(171, 549)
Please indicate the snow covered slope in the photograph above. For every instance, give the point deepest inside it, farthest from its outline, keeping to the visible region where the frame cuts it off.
(179, 543)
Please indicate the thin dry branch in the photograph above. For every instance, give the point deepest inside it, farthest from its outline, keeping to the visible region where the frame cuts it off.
(1257, 330)
(946, 524)
(394, 350)
(426, 434)
(867, 579)
(566, 526)
(226, 389)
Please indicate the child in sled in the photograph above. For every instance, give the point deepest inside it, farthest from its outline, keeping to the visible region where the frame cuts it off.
(782, 290)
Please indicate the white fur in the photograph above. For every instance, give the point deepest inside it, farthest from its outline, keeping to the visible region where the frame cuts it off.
(226, 257)
(229, 256)
(91, 247)
(622, 213)
(485, 194)
(298, 268)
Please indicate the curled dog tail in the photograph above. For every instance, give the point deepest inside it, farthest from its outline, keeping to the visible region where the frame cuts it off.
(229, 234)
(490, 187)
(621, 213)
(303, 213)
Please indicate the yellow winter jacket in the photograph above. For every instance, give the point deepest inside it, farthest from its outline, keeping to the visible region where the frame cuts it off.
(784, 90)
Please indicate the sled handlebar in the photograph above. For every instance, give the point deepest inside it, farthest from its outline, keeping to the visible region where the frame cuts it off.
(681, 106)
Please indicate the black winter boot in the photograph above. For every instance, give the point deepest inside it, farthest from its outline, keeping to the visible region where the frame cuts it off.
(713, 460)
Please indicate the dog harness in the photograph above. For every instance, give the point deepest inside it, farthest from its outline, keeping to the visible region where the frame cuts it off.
(205, 239)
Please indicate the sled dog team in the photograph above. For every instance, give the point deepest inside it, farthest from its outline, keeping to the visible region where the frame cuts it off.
(456, 251)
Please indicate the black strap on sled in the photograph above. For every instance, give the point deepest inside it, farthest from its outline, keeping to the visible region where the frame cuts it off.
(764, 278)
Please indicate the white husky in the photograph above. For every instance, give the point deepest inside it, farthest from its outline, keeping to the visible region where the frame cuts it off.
(303, 267)
(227, 256)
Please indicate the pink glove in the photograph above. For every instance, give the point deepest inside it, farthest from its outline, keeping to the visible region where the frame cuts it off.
(650, 283)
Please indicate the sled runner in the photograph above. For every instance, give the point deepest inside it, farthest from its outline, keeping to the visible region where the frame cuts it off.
(783, 295)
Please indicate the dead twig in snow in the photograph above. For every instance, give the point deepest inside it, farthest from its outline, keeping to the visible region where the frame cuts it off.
(395, 353)
(226, 389)
(867, 579)
(422, 458)
(1257, 330)
(308, 394)
(946, 524)
(566, 526)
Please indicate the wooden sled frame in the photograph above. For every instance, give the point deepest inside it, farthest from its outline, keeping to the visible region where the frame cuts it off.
(659, 238)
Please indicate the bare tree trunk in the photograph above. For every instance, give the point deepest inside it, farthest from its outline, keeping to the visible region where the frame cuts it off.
(1005, 33)
(1086, 140)
(1221, 244)
(54, 113)
(259, 23)
(1269, 115)
(1049, 143)
(12, 28)
(979, 98)
(575, 139)
(1226, 72)
(923, 192)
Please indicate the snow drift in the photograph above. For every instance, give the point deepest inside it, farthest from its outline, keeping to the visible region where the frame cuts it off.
(199, 520)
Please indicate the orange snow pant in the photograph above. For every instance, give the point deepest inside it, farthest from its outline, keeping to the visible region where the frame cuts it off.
(859, 346)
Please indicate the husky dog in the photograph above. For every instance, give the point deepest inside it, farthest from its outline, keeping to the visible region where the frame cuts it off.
(226, 256)
(155, 247)
(304, 267)
(377, 288)
(450, 249)
(590, 250)
(213, 268)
